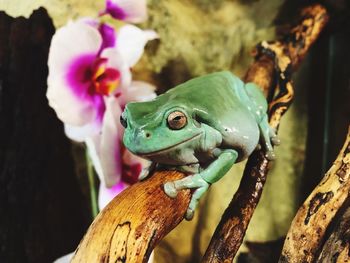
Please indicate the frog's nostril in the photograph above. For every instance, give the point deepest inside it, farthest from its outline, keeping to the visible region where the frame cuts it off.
(148, 135)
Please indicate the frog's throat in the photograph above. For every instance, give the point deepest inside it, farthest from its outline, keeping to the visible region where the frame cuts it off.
(168, 148)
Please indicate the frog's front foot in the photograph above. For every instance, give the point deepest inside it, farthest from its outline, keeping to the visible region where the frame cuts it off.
(170, 190)
(189, 214)
(197, 194)
(192, 181)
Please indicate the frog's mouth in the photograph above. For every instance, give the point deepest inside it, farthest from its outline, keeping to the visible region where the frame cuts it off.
(164, 150)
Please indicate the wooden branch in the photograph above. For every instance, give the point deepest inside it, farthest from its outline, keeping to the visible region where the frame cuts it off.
(285, 55)
(309, 226)
(129, 228)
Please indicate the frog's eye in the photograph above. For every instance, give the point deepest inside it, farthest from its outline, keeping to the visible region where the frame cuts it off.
(177, 120)
(123, 121)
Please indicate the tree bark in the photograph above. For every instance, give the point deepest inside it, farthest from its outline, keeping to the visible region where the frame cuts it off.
(337, 247)
(308, 229)
(129, 228)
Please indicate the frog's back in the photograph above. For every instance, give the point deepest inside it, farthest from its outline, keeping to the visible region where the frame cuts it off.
(219, 99)
(200, 90)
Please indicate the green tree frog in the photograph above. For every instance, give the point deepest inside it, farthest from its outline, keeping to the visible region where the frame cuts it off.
(201, 127)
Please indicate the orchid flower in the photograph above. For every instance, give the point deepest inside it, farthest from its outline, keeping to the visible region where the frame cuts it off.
(134, 11)
(88, 63)
(88, 84)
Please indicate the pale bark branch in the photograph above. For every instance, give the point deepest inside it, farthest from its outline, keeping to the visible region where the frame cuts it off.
(337, 247)
(308, 229)
(129, 228)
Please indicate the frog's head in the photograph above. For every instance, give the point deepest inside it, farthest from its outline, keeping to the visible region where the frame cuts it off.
(156, 127)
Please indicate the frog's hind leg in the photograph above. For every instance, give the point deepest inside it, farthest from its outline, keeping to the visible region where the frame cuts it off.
(259, 109)
(268, 138)
(273, 137)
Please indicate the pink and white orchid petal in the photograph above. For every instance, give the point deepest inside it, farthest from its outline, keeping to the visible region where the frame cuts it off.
(89, 21)
(106, 31)
(108, 35)
(71, 41)
(82, 133)
(116, 61)
(134, 11)
(138, 91)
(132, 159)
(72, 52)
(104, 149)
(131, 42)
(110, 146)
(106, 195)
(133, 166)
(71, 109)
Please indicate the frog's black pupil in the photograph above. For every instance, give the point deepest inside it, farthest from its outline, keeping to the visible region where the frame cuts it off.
(177, 118)
(123, 122)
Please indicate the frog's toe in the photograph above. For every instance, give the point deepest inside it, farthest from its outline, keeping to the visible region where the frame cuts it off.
(275, 141)
(270, 155)
(170, 190)
(189, 214)
(143, 175)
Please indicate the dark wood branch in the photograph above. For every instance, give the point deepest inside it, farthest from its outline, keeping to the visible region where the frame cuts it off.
(135, 221)
(284, 55)
(308, 229)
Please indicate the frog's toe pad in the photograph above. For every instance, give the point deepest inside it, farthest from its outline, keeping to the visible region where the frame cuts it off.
(170, 190)
(275, 140)
(270, 155)
(189, 214)
(258, 147)
(143, 175)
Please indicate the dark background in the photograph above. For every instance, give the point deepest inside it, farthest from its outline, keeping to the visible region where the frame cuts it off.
(43, 213)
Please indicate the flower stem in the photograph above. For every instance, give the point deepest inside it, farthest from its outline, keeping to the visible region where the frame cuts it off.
(91, 177)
